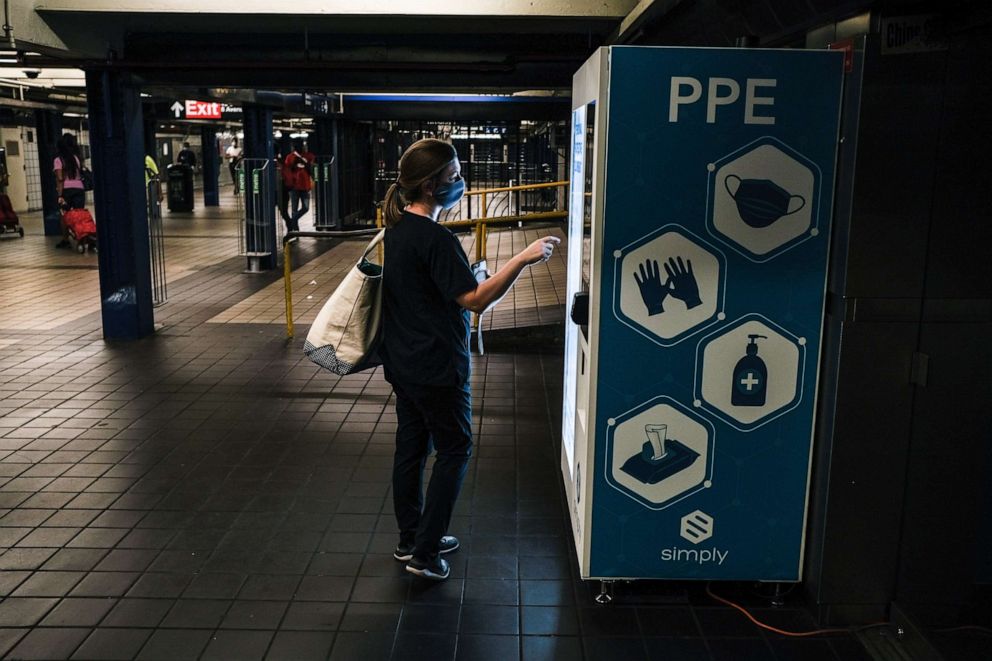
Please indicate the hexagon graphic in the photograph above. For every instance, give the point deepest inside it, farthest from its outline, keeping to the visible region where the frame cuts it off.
(668, 285)
(750, 373)
(762, 199)
(659, 453)
(696, 527)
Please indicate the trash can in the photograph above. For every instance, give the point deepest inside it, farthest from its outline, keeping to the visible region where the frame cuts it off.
(179, 187)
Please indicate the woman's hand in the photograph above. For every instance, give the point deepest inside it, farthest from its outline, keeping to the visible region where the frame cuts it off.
(540, 251)
(491, 290)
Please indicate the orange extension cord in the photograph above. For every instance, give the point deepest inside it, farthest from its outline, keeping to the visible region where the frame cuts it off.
(794, 634)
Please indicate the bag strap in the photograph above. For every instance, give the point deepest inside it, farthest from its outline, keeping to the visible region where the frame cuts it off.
(374, 242)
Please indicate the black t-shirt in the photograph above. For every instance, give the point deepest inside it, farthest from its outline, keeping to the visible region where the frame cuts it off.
(425, 333)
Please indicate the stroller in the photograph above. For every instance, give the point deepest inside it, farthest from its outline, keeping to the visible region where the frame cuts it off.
(82, 229)
(9, 222)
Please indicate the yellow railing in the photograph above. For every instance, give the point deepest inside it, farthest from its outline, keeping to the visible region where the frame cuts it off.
(480, 224)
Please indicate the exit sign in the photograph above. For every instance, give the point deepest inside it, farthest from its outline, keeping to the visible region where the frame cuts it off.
(190, 109)
(202, 110)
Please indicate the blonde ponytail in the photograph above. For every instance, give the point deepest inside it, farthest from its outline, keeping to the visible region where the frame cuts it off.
(422, 161)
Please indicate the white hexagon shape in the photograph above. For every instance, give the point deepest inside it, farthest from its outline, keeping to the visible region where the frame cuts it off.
(659, 453)
(763, 198)
(750, 372)
(696, 527)
(667, 284)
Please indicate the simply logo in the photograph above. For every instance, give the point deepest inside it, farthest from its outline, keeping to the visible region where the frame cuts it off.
(697, 527)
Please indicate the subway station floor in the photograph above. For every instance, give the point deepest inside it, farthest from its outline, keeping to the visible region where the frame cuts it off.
(208, 493)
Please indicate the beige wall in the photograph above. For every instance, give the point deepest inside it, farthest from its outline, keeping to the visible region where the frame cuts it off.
(17, 189)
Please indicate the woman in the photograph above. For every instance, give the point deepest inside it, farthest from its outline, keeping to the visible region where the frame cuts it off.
(68, 180)
(428, 289)
(233, 155)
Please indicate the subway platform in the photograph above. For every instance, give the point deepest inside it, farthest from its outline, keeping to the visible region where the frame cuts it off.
(208, 493)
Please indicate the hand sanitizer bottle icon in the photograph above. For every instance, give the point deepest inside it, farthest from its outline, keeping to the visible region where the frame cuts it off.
(750, 384)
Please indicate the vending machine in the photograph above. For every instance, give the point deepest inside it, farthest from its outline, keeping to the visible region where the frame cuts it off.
(699, 228)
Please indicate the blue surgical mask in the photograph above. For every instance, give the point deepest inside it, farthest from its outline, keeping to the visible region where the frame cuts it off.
(448, 195)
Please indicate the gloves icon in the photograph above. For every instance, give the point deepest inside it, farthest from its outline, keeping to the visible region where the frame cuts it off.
(653, 291)
(682, 282)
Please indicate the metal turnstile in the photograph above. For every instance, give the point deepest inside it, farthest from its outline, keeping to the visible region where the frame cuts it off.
(256, 207)
(156, 243)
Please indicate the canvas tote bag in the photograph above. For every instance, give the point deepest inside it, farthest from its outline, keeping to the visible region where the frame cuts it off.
(345, 335)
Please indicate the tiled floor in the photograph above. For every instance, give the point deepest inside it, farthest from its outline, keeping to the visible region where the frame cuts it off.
(44, 288)
(537, 298)
(209, 493)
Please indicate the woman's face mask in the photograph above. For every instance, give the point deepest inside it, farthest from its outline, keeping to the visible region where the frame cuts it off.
(449, 194)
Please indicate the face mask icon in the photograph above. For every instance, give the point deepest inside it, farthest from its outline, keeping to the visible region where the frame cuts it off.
(760, 202)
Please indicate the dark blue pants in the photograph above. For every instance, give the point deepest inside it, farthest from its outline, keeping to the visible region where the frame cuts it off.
(426, 416)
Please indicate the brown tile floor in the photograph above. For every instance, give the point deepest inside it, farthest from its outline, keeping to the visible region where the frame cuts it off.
(208, 493)
(537, 298)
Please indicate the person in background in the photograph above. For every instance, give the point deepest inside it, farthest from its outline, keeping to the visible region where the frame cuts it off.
(428, 288)
(284, 184)
(299, 166)
(233, 156)
(68, 167)
(151, 172)
(187, 156)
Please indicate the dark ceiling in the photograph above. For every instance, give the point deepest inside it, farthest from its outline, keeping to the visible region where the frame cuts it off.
(192, 53)
(409, 53)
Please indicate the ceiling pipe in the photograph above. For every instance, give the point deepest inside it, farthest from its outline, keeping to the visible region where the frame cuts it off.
(268, 65)
(8, 29)
(644, 13)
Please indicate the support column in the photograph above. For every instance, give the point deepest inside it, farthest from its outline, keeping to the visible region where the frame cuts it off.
(285, 145)
(260, 232)
(337, 170)
(150, 123)
(324, 145)
(211, 167)
(48, 125)
(117, 147)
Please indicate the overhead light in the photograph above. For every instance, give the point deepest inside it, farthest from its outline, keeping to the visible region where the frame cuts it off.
(476, 136)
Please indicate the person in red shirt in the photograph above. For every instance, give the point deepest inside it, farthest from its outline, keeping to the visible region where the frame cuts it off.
(296, 172)
(285, 185)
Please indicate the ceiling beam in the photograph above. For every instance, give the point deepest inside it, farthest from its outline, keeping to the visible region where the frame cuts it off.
(643, 13)
(374, 8)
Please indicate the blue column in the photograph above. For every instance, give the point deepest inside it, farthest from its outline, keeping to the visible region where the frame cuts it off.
(211, 167)
(117, 146)
(261, 226)
(285, 145)
(322, 144)
(148, 137)
(337, 169)
(48, 125)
